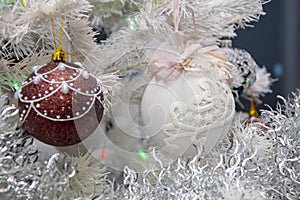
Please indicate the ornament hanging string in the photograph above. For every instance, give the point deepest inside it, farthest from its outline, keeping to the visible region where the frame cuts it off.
(176, 17)
(53, 34)
(60, 30)
(59, 54)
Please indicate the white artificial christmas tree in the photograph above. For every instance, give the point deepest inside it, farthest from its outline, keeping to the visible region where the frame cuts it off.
(169, 78)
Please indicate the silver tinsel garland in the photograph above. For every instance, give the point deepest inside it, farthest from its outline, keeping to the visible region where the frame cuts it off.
(260, 160)
(257, 160)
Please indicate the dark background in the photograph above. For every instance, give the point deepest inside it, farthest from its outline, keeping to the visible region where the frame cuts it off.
(274, 43)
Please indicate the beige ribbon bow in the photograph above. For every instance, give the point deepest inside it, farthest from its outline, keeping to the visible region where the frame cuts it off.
(167, 62)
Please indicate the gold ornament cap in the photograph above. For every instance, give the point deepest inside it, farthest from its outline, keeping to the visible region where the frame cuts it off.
(59, 54)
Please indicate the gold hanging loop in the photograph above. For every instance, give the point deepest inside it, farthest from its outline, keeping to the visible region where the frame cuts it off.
(59, 54)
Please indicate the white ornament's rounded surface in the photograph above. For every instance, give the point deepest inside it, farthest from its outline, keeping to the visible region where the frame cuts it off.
(196, 109)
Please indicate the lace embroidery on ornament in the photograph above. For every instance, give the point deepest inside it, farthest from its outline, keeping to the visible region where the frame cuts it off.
(203, 113)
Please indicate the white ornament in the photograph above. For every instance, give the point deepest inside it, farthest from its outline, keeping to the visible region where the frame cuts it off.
(196, 109)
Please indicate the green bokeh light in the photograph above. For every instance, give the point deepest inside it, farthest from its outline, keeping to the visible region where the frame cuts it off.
(131, 25)
(143, 155)
(16, 85)
(11, 82)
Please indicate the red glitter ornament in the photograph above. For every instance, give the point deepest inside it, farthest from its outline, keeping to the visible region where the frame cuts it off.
(60, 103)
(255, 121)
(258, 123)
